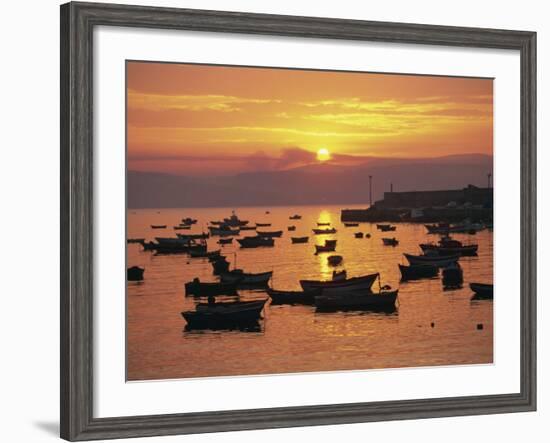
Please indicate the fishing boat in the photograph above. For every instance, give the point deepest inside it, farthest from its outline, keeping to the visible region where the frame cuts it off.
(299, 239)
(482, 290)
(223, 230)
(292, 297)
(415, 272)
(329, 246)
(234, 221)
(436, 260)
(390, 241)
(219, 265)
(201, 236)
(323, 223)
(224, 314)
(263, 225)
(449, 246)
(339, 275)
(334, 260)
(200, 289)
(239, 277)
(437, 228)
(135, 240)
(324, 231)
(351, 225)
(445, 228)
(225, 241)
(295, 217)
(269, 234)
(188, 221)
(135, 273)
(335, 286)
(357, 299)
(149, 246)
(452, 275)
(203, 253)
(179, 227)
(291, 228)
(172, 241)
(358, 235)
(158, 226)
(255, 242)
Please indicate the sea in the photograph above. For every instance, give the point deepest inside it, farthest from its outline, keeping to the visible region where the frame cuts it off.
(430, 326)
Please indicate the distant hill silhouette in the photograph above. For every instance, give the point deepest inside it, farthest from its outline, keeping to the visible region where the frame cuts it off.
(312, 184)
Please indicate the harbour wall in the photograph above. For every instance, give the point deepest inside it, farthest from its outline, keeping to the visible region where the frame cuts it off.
(428, 206)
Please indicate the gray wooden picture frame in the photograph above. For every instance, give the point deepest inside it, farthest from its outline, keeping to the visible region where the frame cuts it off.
(77, 24)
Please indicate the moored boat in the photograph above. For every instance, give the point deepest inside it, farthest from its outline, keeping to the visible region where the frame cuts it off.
(335, 260)
(390, 241)
(219, 265)
(358, 235)
(269, 234)
(225, 241)
(452, 275)
(292, 297)
(323, 223)
(436, 260)
(339, 275)
(350, 225)
(179, 227)
(299, 239)
(256, 242)
(201, 289)
(234, 221)
(324, 231)
(201, 236)
(188, 221)
(387, 228)
(239, 277)
(218, 315)
(357, 299)
(482, 290)
(135, 240)
(414, 272)
(364, 282)
(203, 253)
(263, 225)
(329, 246)
(135, 273)
(291, 228)
(449, 246)
(248, 228)
(295, 217)
(223, 230)
(158, 226)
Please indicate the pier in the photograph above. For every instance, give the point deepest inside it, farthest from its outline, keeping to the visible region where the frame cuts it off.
(427, 206)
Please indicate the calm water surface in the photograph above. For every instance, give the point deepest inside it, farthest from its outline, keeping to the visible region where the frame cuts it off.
(297, 338)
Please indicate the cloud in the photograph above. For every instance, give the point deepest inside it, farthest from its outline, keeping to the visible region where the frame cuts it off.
(210, 102)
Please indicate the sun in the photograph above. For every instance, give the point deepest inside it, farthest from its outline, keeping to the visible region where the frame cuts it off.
(323, 155)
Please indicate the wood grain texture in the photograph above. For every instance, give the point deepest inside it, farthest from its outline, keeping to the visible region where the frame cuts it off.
(77, 24)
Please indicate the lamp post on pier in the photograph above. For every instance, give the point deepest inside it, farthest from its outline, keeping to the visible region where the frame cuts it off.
(370, 190)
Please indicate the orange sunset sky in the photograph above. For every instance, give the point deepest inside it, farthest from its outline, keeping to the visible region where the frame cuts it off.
(216, 120)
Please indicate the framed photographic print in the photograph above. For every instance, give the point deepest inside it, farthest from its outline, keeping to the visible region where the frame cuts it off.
(338, 214)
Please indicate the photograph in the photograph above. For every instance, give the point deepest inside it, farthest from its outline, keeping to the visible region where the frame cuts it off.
(285, 220)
